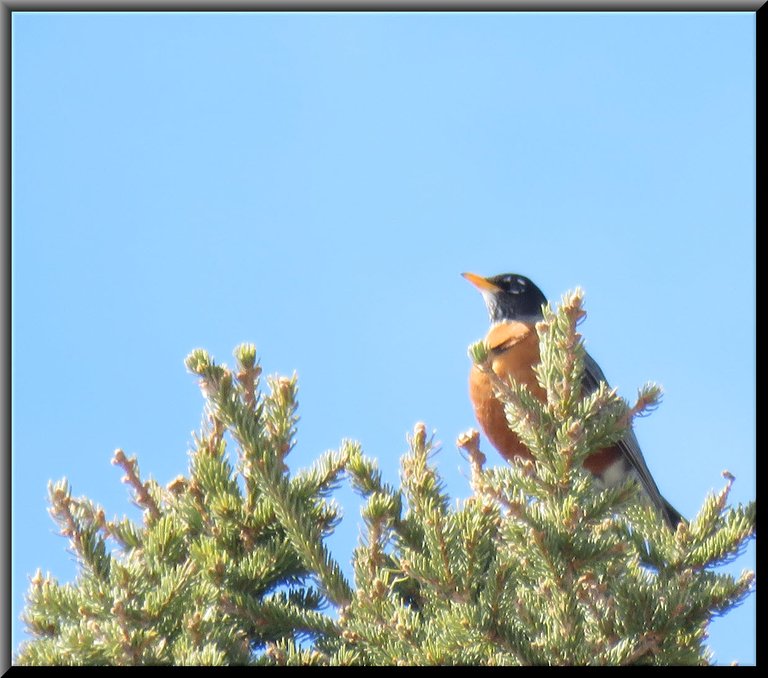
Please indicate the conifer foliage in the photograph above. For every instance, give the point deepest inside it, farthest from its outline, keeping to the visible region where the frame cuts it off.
(537, 567)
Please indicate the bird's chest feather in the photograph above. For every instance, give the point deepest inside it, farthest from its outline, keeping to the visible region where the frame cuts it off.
(514, 350)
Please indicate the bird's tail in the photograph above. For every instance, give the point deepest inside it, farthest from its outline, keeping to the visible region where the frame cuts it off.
(671, 514)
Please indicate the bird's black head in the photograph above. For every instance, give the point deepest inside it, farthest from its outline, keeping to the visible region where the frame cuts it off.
(509, 296)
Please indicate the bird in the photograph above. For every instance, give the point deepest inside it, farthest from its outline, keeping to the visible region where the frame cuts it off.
(514, 304)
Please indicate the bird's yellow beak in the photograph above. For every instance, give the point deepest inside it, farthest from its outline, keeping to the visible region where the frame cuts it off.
(481, 283)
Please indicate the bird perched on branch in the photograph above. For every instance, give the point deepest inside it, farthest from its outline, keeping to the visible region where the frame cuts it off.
(514, 305)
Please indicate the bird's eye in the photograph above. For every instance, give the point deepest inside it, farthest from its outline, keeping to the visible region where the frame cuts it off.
(514, 285)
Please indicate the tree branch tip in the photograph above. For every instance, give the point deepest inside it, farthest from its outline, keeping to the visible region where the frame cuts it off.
(469, 440)
(177, 485)
(478, 353)
(420, 433)
(37, 580)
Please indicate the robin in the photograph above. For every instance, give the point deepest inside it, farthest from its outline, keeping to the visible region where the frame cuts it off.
(514, 304)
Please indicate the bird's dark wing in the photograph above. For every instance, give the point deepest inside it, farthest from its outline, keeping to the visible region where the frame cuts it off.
(630, 448)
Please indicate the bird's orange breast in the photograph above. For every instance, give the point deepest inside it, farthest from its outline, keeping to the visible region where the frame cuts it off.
(514, 350)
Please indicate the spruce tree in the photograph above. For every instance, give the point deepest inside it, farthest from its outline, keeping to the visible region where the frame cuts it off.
(538, 566)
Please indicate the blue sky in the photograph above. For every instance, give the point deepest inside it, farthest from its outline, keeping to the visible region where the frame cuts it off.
(315, 183)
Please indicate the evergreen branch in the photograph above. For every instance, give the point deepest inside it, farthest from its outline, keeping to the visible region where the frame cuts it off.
(276, 617)
(324, 475)
(143, 498)
(249, 372)
(562, 353)
(628, 651)
(81, 530)
(306, 539)
(524, 412)
(280, 414)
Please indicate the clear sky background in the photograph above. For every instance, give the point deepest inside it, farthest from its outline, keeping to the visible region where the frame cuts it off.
(315, 183)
